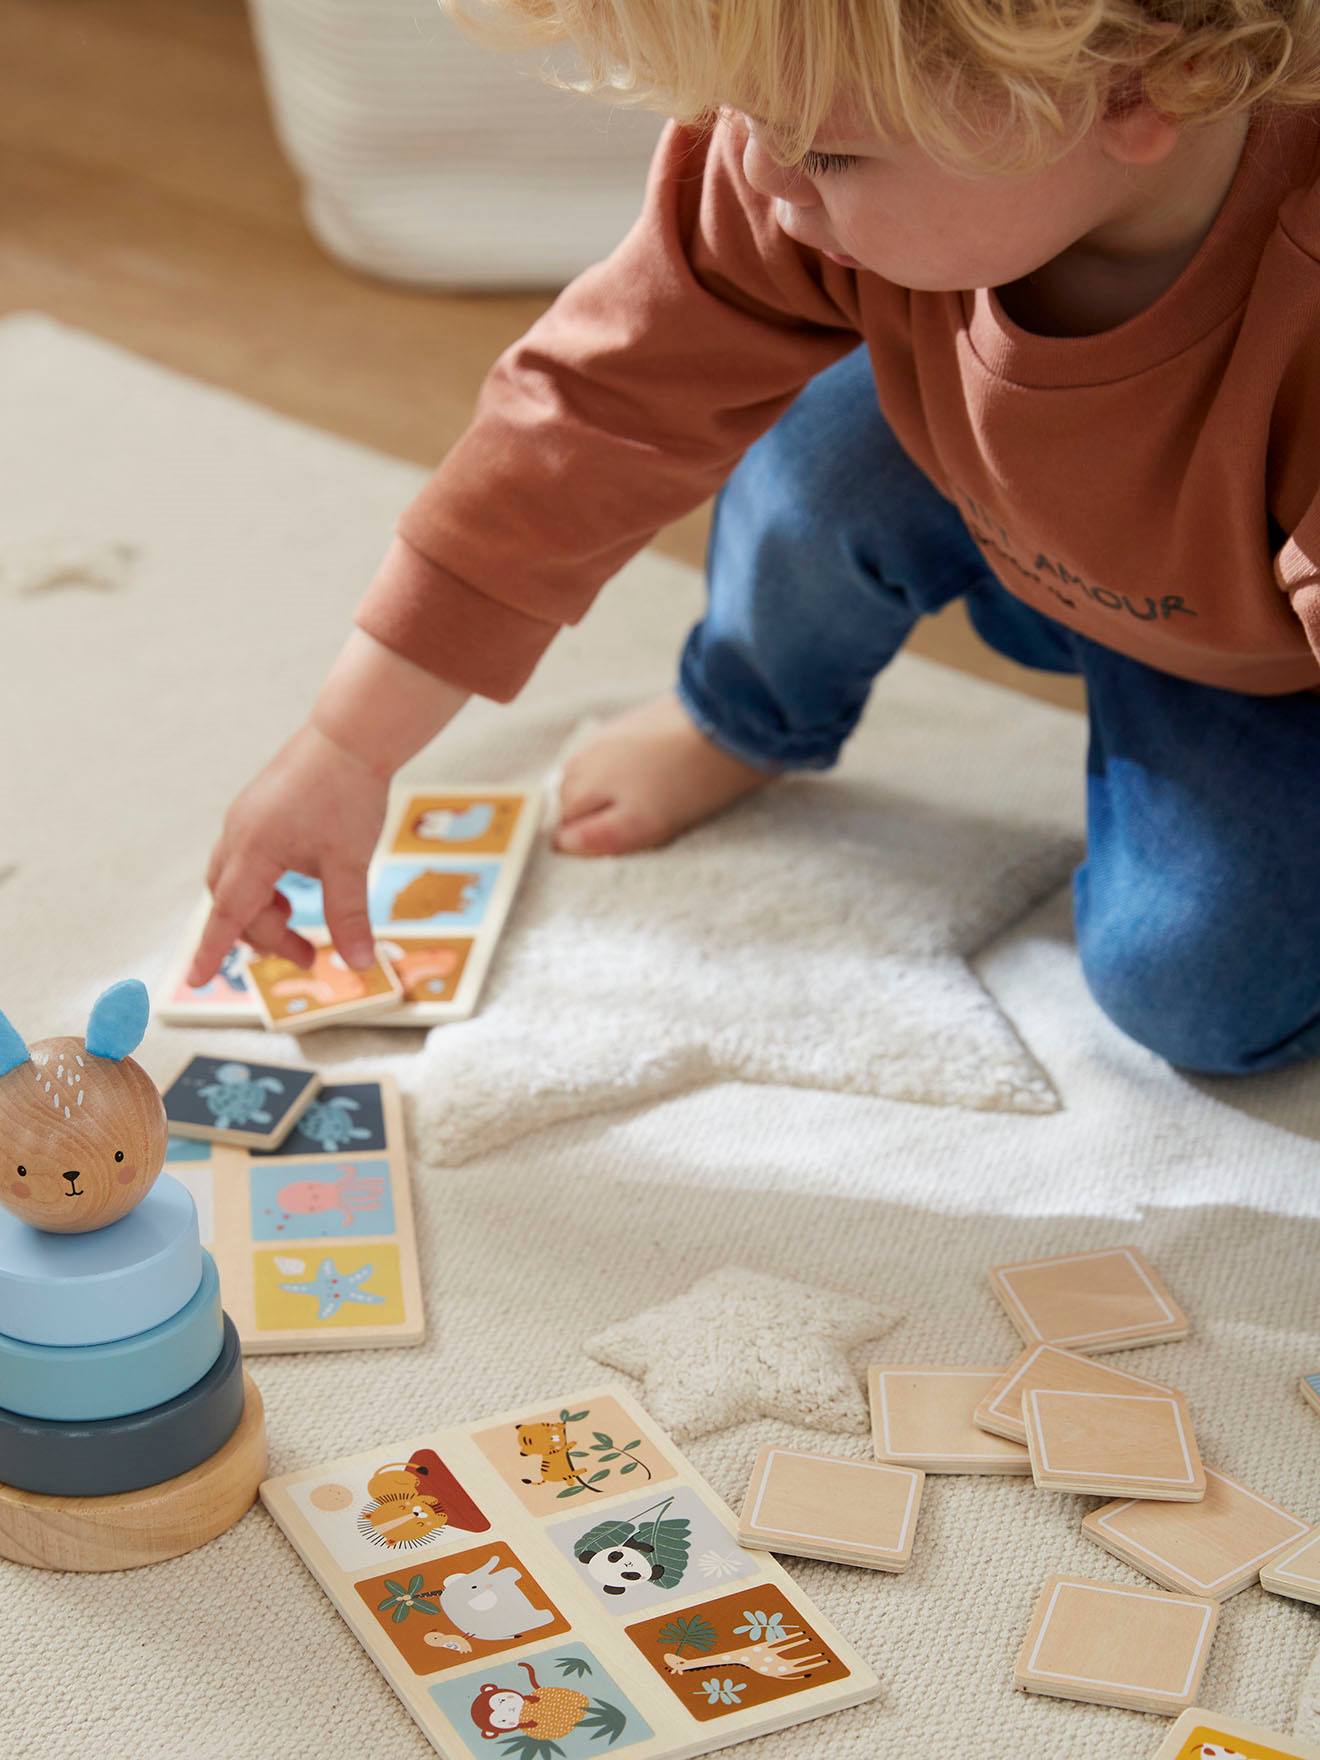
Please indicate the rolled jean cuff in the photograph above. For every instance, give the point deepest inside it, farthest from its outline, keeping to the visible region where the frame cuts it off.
(762, 748)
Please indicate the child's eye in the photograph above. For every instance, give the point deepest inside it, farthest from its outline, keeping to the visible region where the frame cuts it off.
(821, 164)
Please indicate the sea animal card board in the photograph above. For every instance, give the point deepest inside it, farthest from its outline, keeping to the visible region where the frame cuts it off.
(251, 1105)
(561, 1575)
(314, 1240)
(439, 888)
(1213, 1735)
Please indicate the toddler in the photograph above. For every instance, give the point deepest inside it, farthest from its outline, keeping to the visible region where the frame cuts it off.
(1012, 301)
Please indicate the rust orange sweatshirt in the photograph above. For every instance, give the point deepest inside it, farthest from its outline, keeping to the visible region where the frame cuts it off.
(1155, 486)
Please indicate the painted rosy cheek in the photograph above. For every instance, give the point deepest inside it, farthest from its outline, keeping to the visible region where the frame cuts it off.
(125, 1175)
(18, 1189)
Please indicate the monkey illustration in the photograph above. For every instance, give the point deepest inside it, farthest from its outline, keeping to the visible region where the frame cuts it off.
(548, 1713)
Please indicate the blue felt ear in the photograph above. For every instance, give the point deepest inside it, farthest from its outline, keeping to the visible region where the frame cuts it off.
(118, 1019)
(12, 1049)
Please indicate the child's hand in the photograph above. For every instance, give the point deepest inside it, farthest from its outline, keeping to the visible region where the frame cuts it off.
(318, 809)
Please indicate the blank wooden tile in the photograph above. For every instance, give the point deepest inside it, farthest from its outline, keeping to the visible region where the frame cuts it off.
(827, 1506)
(921, 1416)
(1091, 1302)
(1141, 1444)
(1108, 1644)
(1296, 1573)
(1310, 1385)
(1206, 1735)
(1213, 1548)
(1047, 1365)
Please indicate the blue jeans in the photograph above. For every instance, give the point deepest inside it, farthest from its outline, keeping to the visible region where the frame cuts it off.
(1198, 904)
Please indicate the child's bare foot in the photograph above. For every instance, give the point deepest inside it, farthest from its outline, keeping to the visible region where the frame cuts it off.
(647, 777)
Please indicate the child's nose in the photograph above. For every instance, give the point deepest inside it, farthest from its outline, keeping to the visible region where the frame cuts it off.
(775, 181)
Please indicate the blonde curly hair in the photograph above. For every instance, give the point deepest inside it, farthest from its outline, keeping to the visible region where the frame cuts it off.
(992, 85)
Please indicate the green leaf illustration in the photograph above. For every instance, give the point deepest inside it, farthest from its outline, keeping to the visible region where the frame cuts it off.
(400, 1614)
(573, 1417)
(570, 1491)
(605, 1722)
(604, 1440)
(671, 1542)
(414, 1583)
(398, 1588)
(689, 1634)
(605, 1535)
(573, 1665)
(530, 1748)
(422, 1606)
(630, 1468)
(625, 1446)
(595, 1478)
(613, 1455)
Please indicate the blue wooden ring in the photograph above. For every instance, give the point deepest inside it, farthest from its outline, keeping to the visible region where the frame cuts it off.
(77, 1383)
(129, 1453)
(112, 1283)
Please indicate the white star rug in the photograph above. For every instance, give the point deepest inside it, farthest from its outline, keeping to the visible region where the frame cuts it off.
(741, 1345)
(815, 936)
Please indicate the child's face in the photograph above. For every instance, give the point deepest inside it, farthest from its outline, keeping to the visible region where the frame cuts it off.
(894, 210)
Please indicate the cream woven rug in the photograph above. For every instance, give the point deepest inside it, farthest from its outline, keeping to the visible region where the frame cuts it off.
(131, 713)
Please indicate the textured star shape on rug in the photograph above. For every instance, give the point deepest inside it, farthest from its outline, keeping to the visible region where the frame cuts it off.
(741, 1345)
(817, 935)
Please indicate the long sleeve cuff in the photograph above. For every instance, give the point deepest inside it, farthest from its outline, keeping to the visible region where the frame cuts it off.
(437, 620)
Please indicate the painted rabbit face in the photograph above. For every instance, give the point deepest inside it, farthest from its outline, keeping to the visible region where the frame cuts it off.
(82, 1130)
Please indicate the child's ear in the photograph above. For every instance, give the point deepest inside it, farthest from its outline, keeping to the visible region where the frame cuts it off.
(118, 1020)
(12, 1049)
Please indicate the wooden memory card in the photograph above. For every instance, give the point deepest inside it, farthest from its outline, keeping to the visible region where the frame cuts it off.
(1109, 1644)
(922, 1416)
(1046, 1365)
(1140, 1445)
(1310, 1386)
(1213, 1548)
(294, 999)
(1296, 1573)
(1210, 1735)
(832, 1507)
(1093, 1302)
(248, 1105)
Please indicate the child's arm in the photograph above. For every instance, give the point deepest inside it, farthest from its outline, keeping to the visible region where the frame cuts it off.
(623, 407)
(318, 806)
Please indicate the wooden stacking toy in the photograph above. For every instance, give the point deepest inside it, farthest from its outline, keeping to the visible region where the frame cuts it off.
(129, 1431)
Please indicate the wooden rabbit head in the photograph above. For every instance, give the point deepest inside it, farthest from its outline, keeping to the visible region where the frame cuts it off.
(82, 1126)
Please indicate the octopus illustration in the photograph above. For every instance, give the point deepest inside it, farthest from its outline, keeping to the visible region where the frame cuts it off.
(352, 1194)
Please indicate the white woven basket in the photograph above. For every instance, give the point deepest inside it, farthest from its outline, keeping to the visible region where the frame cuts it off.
(427, 158)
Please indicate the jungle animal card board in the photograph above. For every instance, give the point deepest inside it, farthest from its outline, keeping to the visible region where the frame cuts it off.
(560, 1574)
(1296, 1573)
(439, 887)
(1212, 1735)
(314, 1240)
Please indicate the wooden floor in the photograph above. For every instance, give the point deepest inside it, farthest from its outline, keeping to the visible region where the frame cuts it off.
(143, 197)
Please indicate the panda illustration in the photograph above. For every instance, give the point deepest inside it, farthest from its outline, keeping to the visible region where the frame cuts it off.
(617, 1568)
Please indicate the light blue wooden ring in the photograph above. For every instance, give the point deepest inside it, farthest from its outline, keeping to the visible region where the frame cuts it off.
(81, 1382)
(125, 1454)
(112, 1283)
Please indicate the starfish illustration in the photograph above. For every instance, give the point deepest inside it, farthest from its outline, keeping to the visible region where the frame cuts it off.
(332, 1288)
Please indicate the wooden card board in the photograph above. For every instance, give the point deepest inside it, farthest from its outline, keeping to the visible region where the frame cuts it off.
(1104, 1300)
(1213, 1548)
(1109, 1644)
(439, 887)
(1046, 1365)
(293, 1000)
(585, 1559)
(922, 1416)
(315, 1241)
(1139, 1444)
(832, 1507)
(1310, 1386)
(1211, 1735)
(250, 1105)
(1296, 1572)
